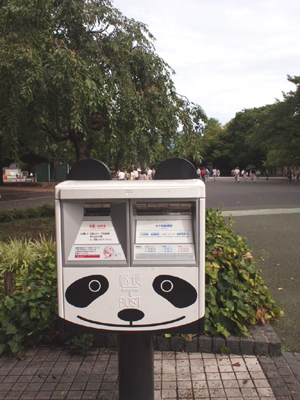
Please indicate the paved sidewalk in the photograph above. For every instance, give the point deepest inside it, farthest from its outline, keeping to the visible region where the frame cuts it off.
(56, 374)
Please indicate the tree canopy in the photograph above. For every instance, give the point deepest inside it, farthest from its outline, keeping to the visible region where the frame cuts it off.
(267, 136)
(79, 71)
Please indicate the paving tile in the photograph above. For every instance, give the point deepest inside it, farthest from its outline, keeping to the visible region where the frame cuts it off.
(215, 384)
(217, 393)
(169, 394)
(230, 384)
(43, 395)
(264, 392)
(233, 392)
(201, 393)
(200, 385)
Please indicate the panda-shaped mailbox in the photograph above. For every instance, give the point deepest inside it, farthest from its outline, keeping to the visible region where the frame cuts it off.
(130, 253)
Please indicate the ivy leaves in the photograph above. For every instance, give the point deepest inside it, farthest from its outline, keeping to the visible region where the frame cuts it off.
(236, 296)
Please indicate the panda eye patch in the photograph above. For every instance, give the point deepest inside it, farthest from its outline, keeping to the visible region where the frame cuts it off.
(177, 291)
(84, 291)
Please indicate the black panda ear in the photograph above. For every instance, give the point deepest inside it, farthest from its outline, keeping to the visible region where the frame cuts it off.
(84, 291)
(176, 290)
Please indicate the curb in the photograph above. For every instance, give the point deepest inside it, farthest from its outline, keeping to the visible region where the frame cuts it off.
(262, 341)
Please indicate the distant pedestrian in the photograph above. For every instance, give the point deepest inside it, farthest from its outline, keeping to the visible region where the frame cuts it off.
(121, 175)
(136, 173)
(244, 175)
(143, 176)
(237, 175)
(267, 174)
(214, 171)
(149, 173)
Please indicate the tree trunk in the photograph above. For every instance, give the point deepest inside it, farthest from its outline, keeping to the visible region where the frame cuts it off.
(81, 149)
(1, 175)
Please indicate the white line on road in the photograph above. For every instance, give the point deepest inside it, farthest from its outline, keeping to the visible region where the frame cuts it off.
(268, 211)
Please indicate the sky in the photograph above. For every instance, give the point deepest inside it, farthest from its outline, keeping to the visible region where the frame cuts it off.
(228, 55)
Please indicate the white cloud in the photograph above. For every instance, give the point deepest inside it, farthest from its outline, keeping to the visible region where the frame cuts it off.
(228, 54)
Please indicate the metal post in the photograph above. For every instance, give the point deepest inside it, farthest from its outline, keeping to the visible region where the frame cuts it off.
(136, 366)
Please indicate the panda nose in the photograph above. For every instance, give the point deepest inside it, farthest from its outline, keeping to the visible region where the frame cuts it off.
(131, 315)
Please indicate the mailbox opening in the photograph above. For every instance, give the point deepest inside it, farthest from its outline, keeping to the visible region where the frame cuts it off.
(173, 208)
(96, 210)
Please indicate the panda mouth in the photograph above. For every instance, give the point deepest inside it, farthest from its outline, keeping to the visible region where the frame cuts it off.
(130, 323)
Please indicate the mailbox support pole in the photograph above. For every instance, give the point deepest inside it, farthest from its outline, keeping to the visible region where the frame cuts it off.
(136, 366)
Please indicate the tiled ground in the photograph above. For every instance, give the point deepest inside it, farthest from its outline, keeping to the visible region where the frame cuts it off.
(209, 376)
(55, 374)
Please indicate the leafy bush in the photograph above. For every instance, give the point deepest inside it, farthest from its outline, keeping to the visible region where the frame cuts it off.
(45, 210)
(30, 314)
(236, 296)
(17, 255)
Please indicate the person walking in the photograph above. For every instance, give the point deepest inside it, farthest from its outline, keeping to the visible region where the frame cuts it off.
(143, 176)
(297, 175)
(237, 175)
(203, 174)
(149, 173)
(267, 174)
(214, 171)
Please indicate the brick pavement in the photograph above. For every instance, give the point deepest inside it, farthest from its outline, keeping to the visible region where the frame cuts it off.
(283, 374)
(46, 373)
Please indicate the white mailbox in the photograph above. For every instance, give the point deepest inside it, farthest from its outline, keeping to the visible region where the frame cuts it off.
(131, 255)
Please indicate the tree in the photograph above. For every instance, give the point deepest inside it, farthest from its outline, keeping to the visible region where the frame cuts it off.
(240, 144)
(80, 71)
(280, 129)
(214, 140)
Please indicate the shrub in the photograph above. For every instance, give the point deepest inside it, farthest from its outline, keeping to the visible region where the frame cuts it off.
(236, 296)
(30, 314)
(12, 215)
(17, 255)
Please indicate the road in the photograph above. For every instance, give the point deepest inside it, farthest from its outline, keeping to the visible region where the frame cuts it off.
(266, 213)
(25, 195)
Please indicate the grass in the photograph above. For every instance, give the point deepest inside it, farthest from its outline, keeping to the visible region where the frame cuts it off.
(27, 229)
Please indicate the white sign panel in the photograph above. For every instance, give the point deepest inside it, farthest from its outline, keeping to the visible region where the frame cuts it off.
(164, 252)
(92, 232)
(96, 240)
(166, 231)
(96, 252)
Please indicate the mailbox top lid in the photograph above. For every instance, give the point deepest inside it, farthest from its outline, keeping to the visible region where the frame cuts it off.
(114, 189)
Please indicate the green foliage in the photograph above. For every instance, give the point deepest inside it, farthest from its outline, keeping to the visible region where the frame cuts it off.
(17, 255)
(30, 315)
(236, 296)
(264, 136)
(83, 341)
(279, 129)
(83, 73)
(45, 210)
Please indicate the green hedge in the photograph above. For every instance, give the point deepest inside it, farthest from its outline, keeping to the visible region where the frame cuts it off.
(236, 296)
(30, 212)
